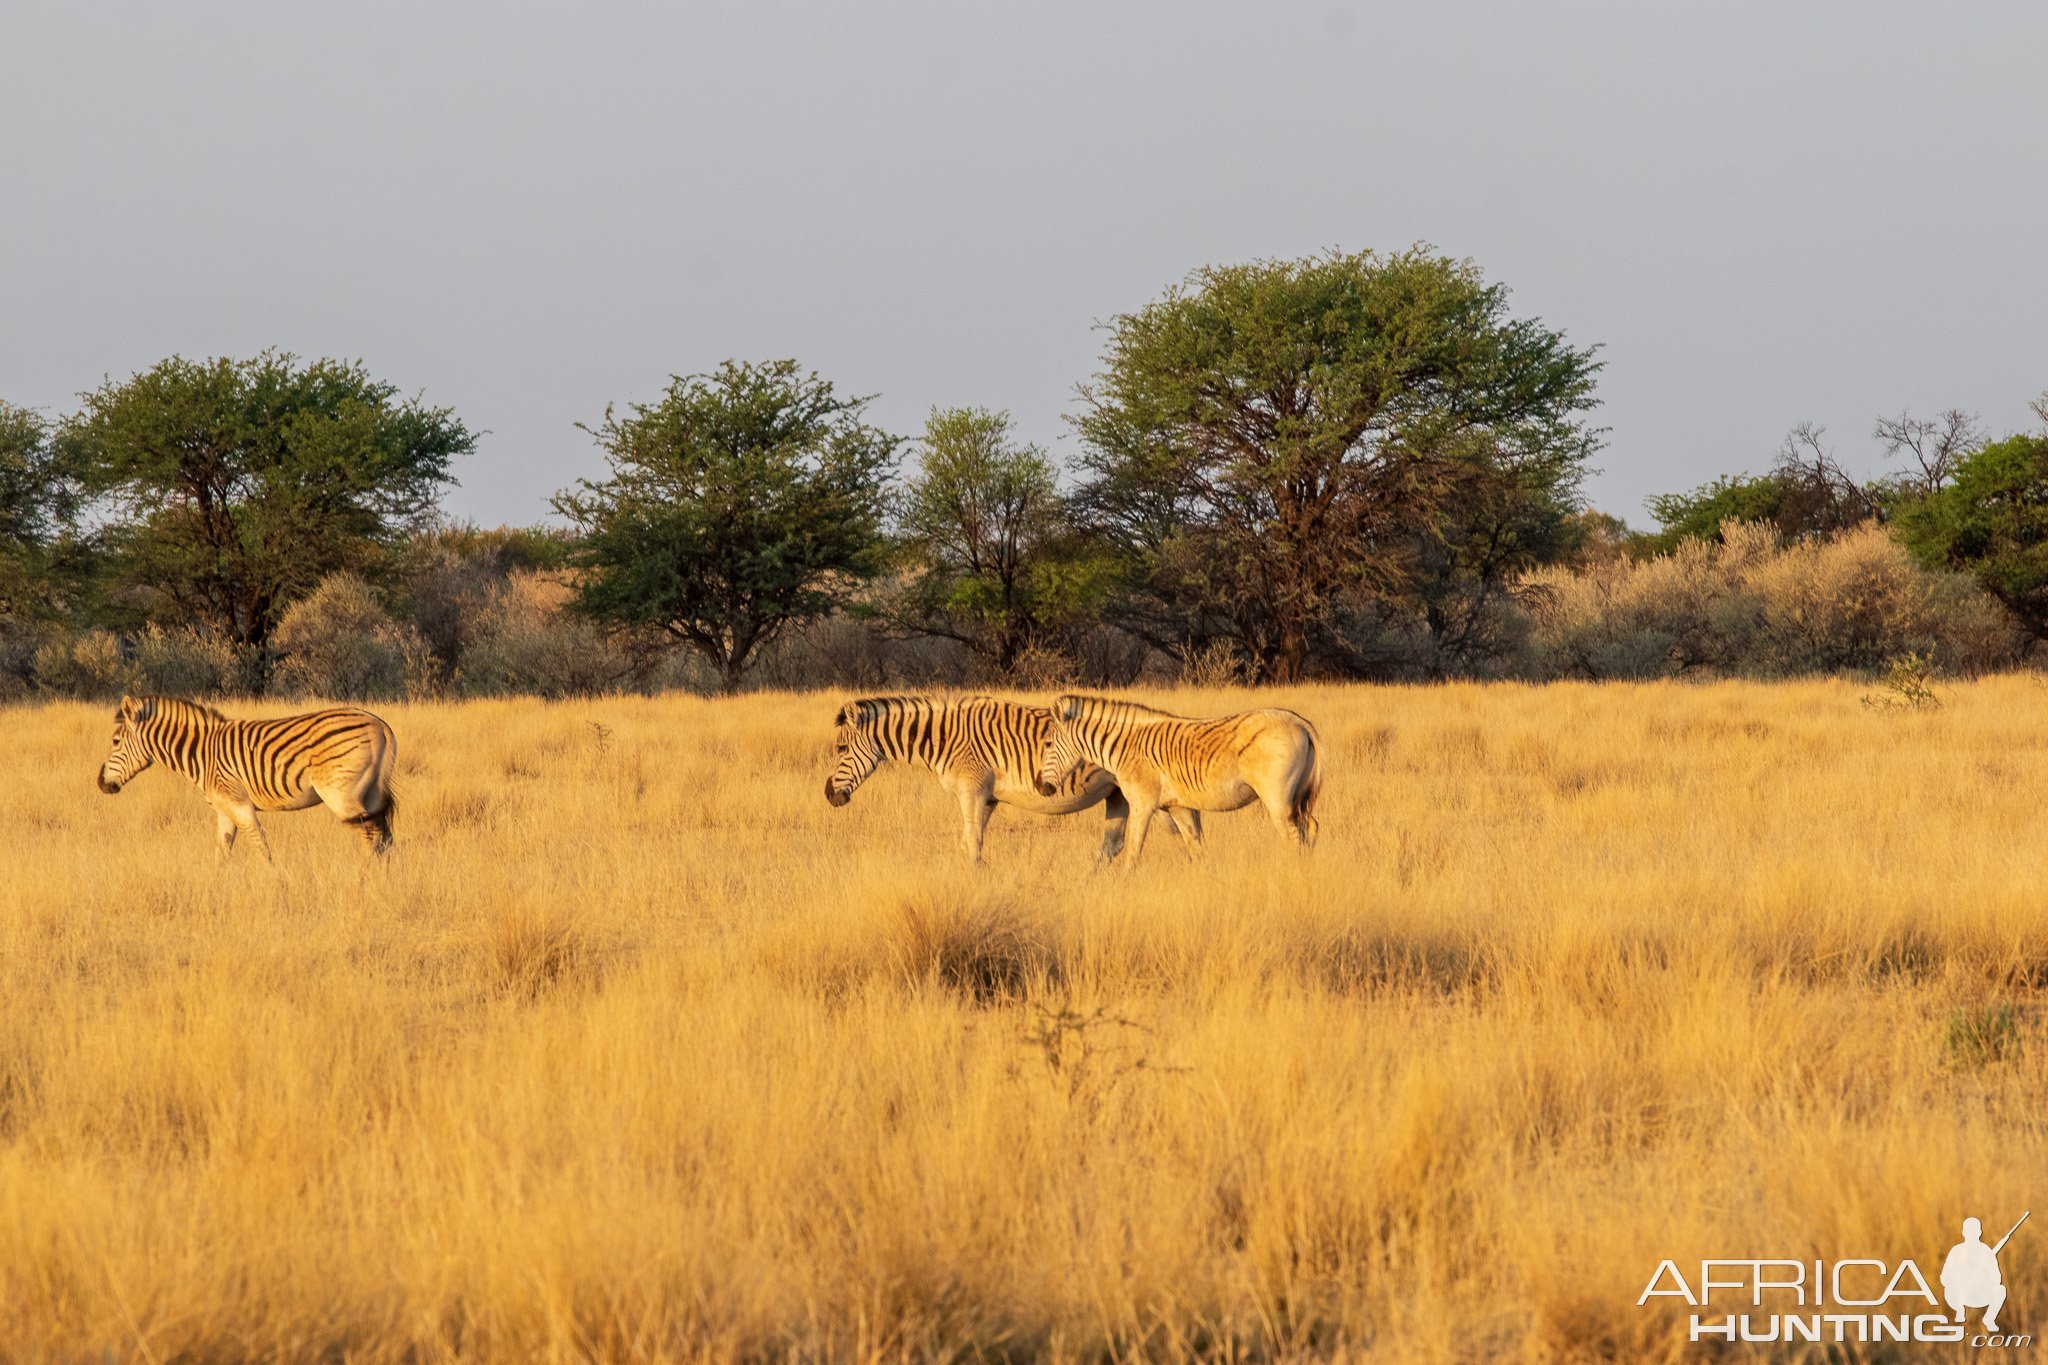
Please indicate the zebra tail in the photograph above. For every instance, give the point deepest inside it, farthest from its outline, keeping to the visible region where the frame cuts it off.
(1306, 795)
(390, 809)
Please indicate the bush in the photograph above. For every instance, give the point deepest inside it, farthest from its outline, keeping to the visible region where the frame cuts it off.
(178, 662)
(184, 661)
(450, 573)
(19, 643)
(338, 642)
(525, 639)
(1754, 606)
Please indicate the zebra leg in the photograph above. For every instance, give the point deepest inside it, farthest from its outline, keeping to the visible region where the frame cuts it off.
(1116, 818)
(224, 829)
(1188, 825)
(375, 829)
(373, 826)
(977, 803)
(245, 820)
(1141, 825)
(1281, 809)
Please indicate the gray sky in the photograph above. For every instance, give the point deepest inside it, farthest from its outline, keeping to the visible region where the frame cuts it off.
(1767, 213)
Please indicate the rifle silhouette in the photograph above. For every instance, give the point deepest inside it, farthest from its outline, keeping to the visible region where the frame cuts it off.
(2008, 1236)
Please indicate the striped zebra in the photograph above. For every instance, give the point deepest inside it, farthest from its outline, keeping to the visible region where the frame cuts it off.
(984, 751)
(340, 757)
(1172, 763)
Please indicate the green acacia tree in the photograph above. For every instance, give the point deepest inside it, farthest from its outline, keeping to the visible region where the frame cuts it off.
(993, 557)
(742, 502)
(39, 500)
(1990, 519)
(232, 487)
(1278, 445)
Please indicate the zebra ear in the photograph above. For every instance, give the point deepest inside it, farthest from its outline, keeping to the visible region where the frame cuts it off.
(126, 708)
(140, 709)
(839, 720)
(1067, 708)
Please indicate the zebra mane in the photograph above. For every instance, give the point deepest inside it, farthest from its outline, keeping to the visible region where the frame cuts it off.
(182, 704)
(1069, 707)
(868, 710)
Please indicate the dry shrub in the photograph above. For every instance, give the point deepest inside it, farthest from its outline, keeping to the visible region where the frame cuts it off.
(1218, 664)
(179, 662)
(88, 666)
(338, 642)
(525, 639)
(986, 950)
(1751, 605)
(184, 662)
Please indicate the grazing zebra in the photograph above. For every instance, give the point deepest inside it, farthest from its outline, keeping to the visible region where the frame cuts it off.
(1171, 763)
(984, 751)
(342, 757)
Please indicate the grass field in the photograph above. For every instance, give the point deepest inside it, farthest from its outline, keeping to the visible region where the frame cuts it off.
(635, 1050)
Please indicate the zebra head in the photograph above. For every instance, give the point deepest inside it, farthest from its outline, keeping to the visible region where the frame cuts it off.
(857, 753)
(127, 756)
(1063, 748)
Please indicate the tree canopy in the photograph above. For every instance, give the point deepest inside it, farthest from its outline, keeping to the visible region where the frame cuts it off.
(1282, 445)
(992, 555)
(743, 501)
(1806, 495)
(1990, 519)
(234, 486)
(38, 505)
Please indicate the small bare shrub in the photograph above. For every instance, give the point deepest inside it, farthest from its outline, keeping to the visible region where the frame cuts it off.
(1908, 685)
(1086, 1051)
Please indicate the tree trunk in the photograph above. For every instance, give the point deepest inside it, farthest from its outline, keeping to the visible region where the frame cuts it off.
(1290, 656)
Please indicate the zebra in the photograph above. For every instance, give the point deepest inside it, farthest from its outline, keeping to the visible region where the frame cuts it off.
(1166, 762)
(983, 750)
(341, 757)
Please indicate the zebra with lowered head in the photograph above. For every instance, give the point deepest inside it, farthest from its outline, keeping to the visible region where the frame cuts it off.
(341, 758)
(985, 752)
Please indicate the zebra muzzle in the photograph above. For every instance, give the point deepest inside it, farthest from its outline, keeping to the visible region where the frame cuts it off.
(1044, 787)
(834, 796)
(110, 788)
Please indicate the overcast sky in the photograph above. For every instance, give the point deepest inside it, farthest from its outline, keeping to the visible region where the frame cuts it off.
(1766, 213)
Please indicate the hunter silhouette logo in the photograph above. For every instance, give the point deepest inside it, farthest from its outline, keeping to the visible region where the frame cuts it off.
(1864, 1300)
(1970, 1278)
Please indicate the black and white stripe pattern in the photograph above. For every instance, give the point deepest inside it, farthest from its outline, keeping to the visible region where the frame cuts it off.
(341, 758)
(984, 750)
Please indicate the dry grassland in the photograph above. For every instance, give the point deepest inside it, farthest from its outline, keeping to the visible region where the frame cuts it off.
(636, 1050)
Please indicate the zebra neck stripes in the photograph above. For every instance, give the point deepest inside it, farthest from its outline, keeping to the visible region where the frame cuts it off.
(174, 734)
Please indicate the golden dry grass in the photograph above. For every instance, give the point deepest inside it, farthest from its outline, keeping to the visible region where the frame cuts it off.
(636, 1050)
